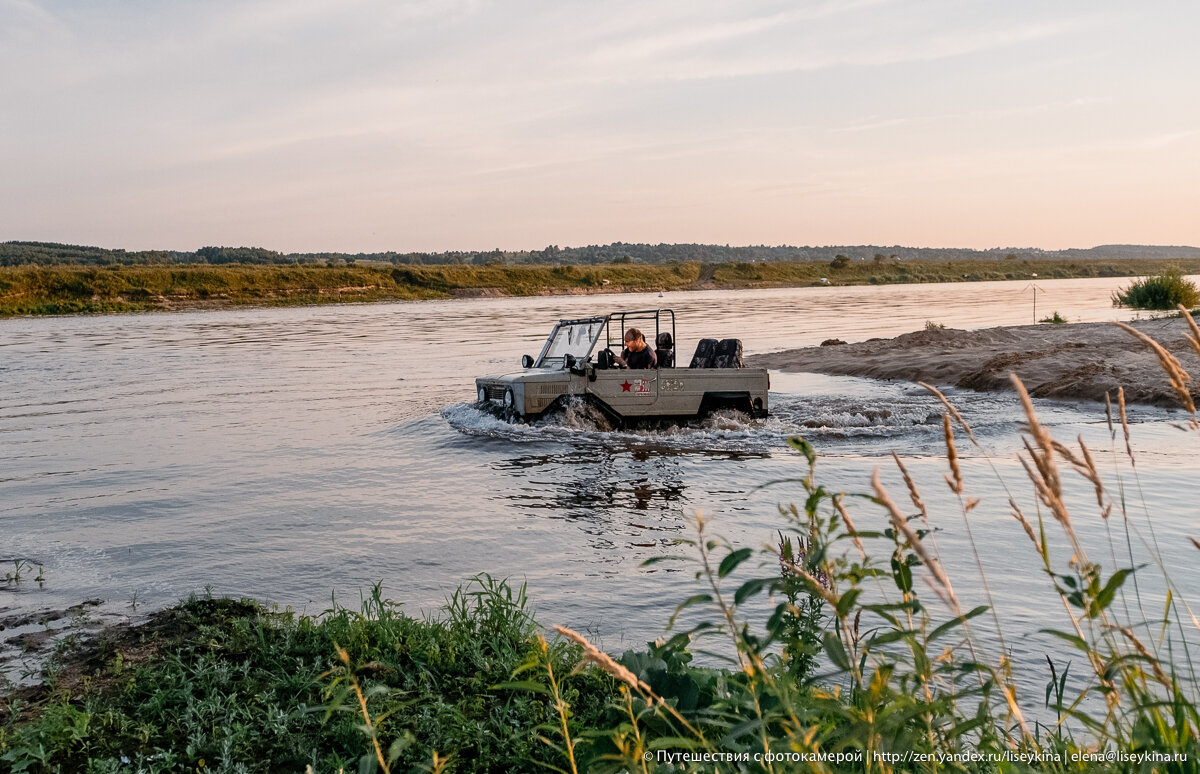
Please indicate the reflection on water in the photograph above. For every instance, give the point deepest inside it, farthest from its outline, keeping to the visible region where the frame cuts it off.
(288, 453)
(591, 487)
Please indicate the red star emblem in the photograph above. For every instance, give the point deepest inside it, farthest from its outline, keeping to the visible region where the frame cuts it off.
(625, 387)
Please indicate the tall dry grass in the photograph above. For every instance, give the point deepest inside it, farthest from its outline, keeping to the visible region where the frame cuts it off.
(909, 678)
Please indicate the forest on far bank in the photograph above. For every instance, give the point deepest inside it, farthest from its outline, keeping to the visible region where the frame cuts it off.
(51, 253)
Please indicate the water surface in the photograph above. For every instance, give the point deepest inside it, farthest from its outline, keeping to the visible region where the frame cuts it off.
(292, 454)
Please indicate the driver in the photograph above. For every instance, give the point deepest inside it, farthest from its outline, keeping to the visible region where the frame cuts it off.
(637, 354)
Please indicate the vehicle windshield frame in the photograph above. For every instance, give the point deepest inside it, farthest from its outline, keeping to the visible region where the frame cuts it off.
(547, 360)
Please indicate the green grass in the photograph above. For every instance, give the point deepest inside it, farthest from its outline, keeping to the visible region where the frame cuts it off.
(1168, 289)
(222, 685)
(31, 290)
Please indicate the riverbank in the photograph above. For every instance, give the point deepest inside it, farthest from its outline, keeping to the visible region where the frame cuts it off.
(215, 684)
(1077, 361)
(230, 685)
(37, 290)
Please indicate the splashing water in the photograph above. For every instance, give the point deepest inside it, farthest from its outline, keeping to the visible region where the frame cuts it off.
(580, 423)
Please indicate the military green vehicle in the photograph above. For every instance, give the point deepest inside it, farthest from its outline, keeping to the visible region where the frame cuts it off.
(578, 362)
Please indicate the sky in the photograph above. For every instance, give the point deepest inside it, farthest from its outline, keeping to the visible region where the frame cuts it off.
(431, 125)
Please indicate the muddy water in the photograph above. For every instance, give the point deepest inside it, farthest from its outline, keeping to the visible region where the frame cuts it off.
(295, 454)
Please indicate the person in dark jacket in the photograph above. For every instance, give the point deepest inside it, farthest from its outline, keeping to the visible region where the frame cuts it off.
(637, 354)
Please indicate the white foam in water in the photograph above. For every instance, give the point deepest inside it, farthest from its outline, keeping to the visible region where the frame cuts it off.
(853, 411)
(812, 415)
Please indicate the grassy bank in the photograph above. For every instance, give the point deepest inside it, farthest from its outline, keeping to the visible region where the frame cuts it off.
(224, 685)
(27, 290)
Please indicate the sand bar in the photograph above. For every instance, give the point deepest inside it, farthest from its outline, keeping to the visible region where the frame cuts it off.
(1079, 360)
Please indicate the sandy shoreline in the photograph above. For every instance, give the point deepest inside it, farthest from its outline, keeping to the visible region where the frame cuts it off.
(1080, 360)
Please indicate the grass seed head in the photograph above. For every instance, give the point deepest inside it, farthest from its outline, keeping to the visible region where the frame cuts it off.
(953, 411)
(853, 530)
(913, 493)
(1178, 377)
(941, 586)
(1024, 522)
(601, 659)
(1125, 425)
(955, 478)
(1193, 329)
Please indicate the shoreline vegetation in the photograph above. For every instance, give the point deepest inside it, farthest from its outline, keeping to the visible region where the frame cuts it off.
(835, 657)
(77, 289)
(17, 253)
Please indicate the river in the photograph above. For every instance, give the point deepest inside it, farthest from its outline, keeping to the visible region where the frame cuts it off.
(292, 454)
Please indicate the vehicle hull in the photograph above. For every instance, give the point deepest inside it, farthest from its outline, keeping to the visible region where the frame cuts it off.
(631, 395)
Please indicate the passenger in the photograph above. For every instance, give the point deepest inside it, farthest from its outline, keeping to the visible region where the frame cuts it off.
(637, 354)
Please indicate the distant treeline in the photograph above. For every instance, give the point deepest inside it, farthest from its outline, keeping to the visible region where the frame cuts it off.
(51, 253)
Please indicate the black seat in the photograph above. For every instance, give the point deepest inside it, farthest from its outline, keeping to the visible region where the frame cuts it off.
(665, 350)
(705, 349)
(728, 354)
(604, 359)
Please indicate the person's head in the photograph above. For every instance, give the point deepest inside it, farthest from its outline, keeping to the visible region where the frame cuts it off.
(634, 340)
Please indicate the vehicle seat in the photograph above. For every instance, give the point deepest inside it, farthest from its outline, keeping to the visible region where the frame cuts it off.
(728, 354)
(604, 359)
(665, 350)
(705, 350)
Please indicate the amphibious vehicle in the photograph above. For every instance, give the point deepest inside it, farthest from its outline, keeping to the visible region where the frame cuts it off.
(577, 362)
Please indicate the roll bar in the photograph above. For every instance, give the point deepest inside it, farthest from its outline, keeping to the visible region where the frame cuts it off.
(623, 318)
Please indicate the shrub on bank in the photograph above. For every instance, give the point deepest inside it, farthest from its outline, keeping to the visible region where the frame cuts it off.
(1166, 290)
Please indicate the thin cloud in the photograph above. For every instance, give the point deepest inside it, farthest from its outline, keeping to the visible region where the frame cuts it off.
(17, 12)
(975, 115)
(1161, 141)
(942, 47)
(721, 32)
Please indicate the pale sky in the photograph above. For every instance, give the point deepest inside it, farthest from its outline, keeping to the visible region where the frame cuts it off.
(370, 125)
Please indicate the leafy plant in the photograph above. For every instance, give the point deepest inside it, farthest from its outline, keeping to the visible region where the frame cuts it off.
(222, 685)
(1165, 290)
(906, 676)
(21, 570)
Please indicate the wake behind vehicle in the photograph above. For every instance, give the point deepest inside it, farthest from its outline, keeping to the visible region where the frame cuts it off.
(577, 362)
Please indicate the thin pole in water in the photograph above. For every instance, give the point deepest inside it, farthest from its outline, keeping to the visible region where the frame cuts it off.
(1036, 290)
